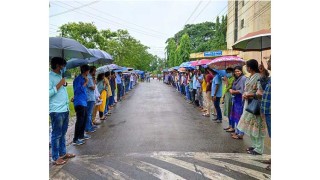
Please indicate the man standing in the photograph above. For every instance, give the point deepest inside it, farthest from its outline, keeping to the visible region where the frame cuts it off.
(113, 87)
(194, 87)
(80, 104)
(216, 93)
(119, 86)
(199, 79)
(131, 81)
(90, 99)
(58, 111)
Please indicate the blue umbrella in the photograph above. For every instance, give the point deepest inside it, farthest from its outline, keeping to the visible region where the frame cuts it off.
(103, 57)
(220, 72)
(75, 62)
(176, 67)
(67, 48)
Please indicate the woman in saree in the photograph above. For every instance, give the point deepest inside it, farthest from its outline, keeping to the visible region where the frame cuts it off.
(236, 92)
(249, 123)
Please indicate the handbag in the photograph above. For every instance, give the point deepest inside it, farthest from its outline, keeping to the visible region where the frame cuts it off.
(254, 107)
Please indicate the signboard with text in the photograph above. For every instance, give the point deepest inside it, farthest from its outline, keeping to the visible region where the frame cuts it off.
(213, 53)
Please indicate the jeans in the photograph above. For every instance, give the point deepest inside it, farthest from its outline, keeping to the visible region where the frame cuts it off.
(111, 101)
(188, 93)
(59, 124)
(119, 86)
(131, 84)
(268, 121)
(217, 106)
(81, 113)
(193, 95)
(90, 106)
(231, 123)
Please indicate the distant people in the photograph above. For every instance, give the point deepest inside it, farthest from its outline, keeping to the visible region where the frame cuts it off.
(80, 104)
(113, 88)
(131, 81)
(109, 93)
(119, 86)
(58, 111)
(236, 110)
(249, 123)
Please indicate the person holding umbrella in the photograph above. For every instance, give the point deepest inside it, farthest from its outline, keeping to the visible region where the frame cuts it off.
(80, 103)
(58, 111)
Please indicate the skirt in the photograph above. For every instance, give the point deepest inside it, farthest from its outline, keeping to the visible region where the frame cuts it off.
(103, 96)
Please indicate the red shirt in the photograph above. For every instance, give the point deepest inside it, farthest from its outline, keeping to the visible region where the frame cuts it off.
(209, 78)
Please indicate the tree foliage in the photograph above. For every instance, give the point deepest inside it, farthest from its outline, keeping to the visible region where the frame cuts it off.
(126, 50)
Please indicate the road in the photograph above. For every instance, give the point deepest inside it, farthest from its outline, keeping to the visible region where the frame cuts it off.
(155, 134)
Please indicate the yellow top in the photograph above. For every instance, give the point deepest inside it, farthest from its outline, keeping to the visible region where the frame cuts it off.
(109, 93)
(204, 85)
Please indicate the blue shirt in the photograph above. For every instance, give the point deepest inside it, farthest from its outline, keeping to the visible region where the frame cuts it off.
(80, 91)
(194, 82)
(266, 99)
(216, 81)
(90, 92)
(112, 84)
(58, 99)
(118, 79)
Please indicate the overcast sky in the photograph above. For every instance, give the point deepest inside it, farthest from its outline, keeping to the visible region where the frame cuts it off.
(151, 22)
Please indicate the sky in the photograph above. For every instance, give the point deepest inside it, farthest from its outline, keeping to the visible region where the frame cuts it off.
(151, 22)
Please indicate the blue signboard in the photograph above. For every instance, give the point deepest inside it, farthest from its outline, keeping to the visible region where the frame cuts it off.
(213, 53)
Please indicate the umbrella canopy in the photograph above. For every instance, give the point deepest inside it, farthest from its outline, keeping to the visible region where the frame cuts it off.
(75, 62)
(102, 69)
(67, 48)
(113, 66)
(187, 65)
(182, 70)
(103, 57)
(256, 41)
(201, 62)
(224, 62)
(220, 72)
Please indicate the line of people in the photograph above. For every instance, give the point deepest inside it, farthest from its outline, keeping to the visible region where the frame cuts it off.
(205, 87)
(91, 95)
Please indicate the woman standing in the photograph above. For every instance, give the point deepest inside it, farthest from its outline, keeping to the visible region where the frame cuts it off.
(103, 94)
(249, 123)
(237, 102)
(227, 98)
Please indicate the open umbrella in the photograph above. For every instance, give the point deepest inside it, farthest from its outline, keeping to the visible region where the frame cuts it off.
(75, 62)
(102, 69)
(67, 48)
(255, 41)
(113, 66)
(201, 62)
(103, 57)
(224, 62)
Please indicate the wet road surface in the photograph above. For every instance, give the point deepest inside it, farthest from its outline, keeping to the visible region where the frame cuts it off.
(155, 134)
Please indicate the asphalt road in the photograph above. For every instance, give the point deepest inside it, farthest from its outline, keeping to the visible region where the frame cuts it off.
(155, 134)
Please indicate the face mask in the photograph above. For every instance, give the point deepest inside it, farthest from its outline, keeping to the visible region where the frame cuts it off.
(229, 75)
(63, 70)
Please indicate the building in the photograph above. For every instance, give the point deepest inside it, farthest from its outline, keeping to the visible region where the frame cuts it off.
(246, 17)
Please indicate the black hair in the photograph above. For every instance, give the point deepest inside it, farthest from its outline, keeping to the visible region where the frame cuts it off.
(112, 72)
(253, 65)
(229, 69)
(84, 68)
(92, 68)
(212, 71)
(240, 69)
(100, 77)
(107, 74)
(57, 61)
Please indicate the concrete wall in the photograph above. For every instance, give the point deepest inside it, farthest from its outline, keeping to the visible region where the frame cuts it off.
(256, 16)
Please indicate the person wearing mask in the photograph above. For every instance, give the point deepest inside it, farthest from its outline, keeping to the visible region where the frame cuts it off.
(266, 103)
(228, 79)
(249, 123)
(216, 94)
(80, 103)
(90, 100)
(119, 86)
(236, 92)
(58, 111)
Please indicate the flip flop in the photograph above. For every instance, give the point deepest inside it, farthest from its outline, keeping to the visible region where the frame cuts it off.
(59, 162)
(68, 156)
(237, 137)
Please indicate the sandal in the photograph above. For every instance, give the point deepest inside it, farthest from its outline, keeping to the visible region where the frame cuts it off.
(237, 137)
(226, 128)
(59, 161)
(250, 148)
(253, 152)
(229, 130)
(234, 134)
(206, 115)
(68, 156)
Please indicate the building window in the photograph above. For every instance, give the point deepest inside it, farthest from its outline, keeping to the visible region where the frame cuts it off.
(242, 24)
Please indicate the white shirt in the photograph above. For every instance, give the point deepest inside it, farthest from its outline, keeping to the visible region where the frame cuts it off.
(131, 78)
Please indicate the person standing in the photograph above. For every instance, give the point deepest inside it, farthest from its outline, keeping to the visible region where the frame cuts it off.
(266, 104)
(216, 93)
(236, 92)
(119, 86)
(109, 93)
(58, 111)
(199, 79)
(249, 123)
(90, 99)
(204, 94)
(131, 81)
(80, 104)
(228, 79)
(113, 87)
(208, 79)
(194, 87)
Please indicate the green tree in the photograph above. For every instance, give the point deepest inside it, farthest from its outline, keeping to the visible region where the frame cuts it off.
(185, 48)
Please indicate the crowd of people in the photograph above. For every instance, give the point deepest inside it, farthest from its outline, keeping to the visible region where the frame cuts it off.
(93, 93)
(206, 89)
